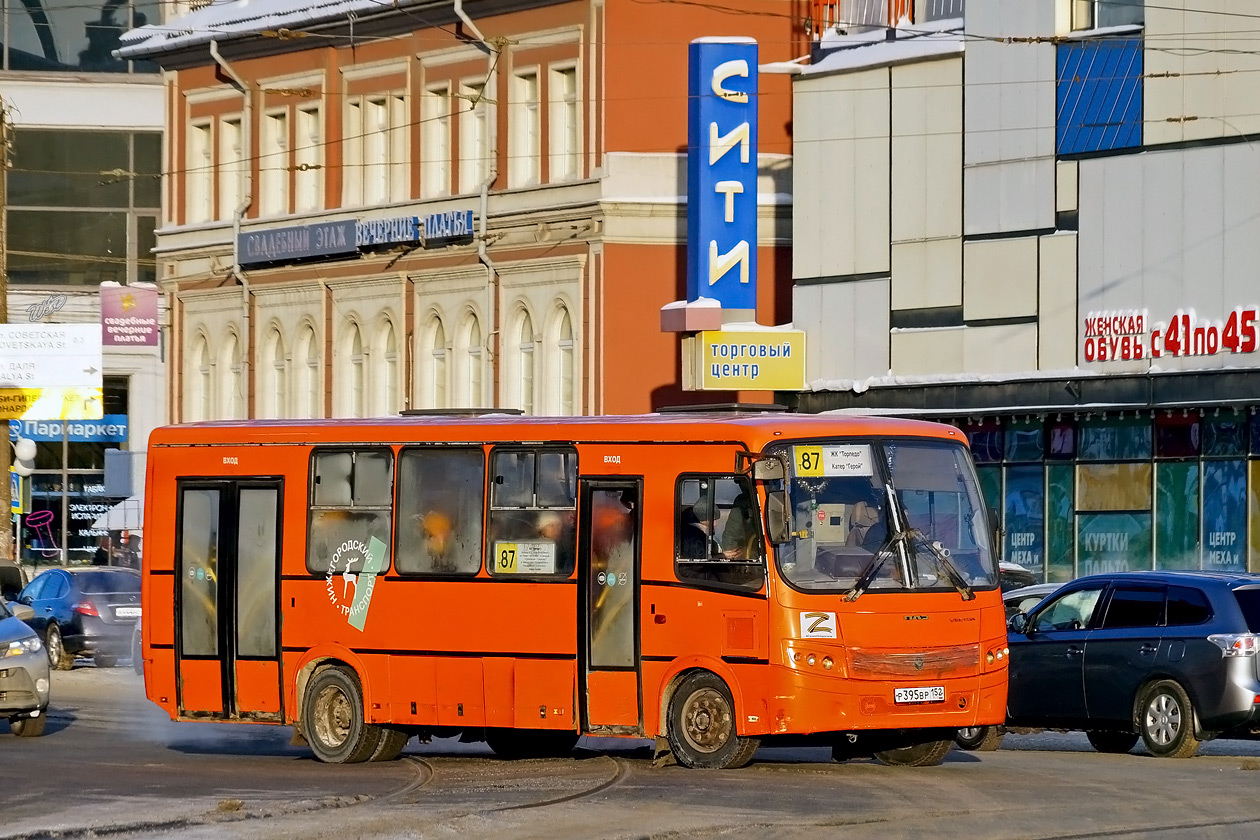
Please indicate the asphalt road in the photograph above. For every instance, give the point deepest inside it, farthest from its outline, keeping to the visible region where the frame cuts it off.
(112, 765)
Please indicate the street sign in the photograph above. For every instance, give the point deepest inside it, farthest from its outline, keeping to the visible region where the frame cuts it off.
(768, 359)
(17, 495)
(50, 372)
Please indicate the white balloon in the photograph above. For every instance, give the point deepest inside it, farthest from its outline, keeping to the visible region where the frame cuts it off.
(23, 469)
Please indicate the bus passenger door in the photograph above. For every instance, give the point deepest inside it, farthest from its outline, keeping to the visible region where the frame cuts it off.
(608, 580)
(228, 562)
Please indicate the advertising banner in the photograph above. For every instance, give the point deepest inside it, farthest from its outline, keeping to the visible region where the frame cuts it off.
(762, 360)
(129, 316)
(722, 172)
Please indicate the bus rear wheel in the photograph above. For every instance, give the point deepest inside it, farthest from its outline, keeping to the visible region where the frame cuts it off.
(531, 743)
(701, 725)
(924, 754)
(332, 716)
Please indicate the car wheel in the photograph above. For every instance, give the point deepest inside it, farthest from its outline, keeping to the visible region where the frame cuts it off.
(700, 725)
(1167, 721)
(137, 653)
(28, 727)
(926, 754)
(981, 738)
(58, 656)
(531, 743)
(1112, 742)
(332, 716)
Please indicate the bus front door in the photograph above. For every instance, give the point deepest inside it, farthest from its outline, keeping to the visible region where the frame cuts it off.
(226, 636)
(608, 574)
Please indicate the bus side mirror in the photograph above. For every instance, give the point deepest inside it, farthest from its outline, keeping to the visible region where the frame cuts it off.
(777, 517)
(768, 469)
(995, 529)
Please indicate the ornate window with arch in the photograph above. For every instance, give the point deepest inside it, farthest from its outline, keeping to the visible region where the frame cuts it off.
(525, 362)
(435, 364)
(197, 404)
(384, 363)
(562, 360)
(274, 375)
(356, 373)
(308, 397)
(471, 360)
(231, 381)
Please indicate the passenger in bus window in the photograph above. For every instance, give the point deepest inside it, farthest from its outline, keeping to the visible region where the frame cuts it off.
(437, 528)
(694, 542)
(739, 534)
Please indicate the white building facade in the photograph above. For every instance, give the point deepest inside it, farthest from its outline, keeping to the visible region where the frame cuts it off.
(1040, 221)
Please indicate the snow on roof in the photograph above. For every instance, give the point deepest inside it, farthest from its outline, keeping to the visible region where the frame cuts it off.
(225, 19)
(897, 45)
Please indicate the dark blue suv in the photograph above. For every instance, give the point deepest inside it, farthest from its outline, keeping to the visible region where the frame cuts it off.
(1169, 657)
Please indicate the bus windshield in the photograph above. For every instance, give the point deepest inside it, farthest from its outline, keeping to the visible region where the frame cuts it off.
(885, 515)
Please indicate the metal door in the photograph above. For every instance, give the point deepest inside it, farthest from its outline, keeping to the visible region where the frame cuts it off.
(608, 575)
(227, 625)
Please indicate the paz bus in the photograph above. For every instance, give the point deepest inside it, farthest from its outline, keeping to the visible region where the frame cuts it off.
(711, 581)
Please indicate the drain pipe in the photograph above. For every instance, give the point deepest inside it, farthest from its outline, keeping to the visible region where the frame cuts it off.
(239, 213)
(483, 252)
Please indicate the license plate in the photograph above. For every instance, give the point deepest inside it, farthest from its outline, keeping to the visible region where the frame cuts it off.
(127, 612)
(925, 694)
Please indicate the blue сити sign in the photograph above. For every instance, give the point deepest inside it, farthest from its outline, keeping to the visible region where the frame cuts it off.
(722, 172)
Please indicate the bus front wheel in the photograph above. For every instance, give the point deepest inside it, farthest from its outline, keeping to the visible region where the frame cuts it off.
(332, 717)
(701, 725)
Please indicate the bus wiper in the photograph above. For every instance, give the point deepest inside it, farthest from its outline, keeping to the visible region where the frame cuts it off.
(872, 567)
(951, 571)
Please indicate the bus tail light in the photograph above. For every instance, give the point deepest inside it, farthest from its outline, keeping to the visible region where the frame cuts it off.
(86, 608)
(996, 656)
(1236, 644)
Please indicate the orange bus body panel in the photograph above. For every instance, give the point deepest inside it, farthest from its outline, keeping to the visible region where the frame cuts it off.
(507, 653)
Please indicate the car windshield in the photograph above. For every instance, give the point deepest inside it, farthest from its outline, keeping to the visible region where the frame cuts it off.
(885, 515)
(103, 581)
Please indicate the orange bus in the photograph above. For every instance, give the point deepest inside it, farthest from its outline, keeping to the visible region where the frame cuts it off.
(711, 580)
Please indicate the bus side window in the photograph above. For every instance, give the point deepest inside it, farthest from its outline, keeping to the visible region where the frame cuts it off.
(533, 512)
(351, 503)
(718, 532)
(440, 494)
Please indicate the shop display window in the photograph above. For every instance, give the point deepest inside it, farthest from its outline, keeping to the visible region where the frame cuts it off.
(1177, 515)
(1025, 517)
(1224, 515)
(1177, 435)
(1117, 487)
(986, 442)
(1061, 439)
(1225, 436)
(1025, 441)
(1113, 542)
(1114, 439)
(1060, 510)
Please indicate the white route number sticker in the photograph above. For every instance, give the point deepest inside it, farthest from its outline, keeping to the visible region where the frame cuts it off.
(525, 557)
(818, 625)
(827, 461)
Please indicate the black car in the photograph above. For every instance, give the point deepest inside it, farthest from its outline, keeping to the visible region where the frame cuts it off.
(1169, 657)
(84, 612)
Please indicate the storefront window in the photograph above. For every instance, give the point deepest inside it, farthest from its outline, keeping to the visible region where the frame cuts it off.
(1061, 510)
(1177, 522)
(1025, 516)
(1113, 542)
(1113, 487)
(990, 479)
(1224, 515)
(1025, 441)
(986, 443)
(1225, 436)
(1115, 439)
(1177, 435)
(1061, 439)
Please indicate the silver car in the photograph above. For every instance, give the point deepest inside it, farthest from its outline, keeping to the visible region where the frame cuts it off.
(24, 672)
